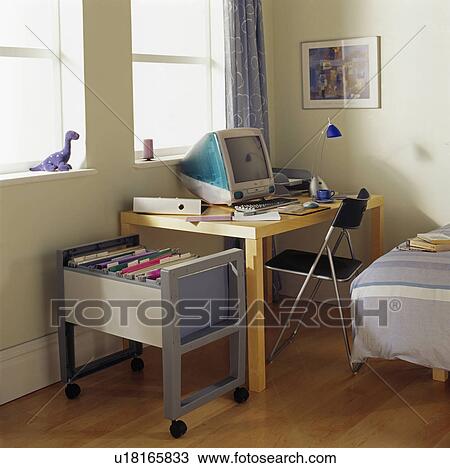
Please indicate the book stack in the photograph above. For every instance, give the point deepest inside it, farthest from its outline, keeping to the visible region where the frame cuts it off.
(430, 242)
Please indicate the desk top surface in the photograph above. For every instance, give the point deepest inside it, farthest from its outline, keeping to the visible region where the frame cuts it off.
(240, 229)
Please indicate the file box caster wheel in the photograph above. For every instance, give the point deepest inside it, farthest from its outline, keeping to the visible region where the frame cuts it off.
(178, 429)
(241, 395)
(72, 390)
(137, 364)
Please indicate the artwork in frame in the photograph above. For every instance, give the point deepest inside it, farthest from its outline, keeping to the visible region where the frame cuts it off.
(341, 73)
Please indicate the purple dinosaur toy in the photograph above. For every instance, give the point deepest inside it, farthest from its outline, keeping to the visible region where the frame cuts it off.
(58, 161)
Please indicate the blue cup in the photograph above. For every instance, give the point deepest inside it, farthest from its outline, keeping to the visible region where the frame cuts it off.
(325, 194)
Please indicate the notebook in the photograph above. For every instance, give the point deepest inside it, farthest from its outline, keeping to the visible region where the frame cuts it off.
(265, 216)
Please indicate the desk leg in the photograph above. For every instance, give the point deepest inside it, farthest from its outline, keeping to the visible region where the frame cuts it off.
(377, 248)
(254, 255)
(126, 229)
(440, 375)
(268, 279)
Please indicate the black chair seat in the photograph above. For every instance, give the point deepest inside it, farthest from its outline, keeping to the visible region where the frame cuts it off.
(300, 262)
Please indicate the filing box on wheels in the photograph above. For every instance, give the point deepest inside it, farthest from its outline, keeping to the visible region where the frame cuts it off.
(213, 283)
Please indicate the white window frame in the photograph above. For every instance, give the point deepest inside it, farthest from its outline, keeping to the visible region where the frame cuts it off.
(69, 94)
(40, 53)
(215, 61)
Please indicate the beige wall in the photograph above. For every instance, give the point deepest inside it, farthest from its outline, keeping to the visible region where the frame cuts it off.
(401, 150)
(36, 219)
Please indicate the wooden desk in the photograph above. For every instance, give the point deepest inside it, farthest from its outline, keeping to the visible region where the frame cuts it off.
(258, 242)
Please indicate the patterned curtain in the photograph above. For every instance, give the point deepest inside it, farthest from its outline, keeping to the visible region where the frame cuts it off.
(245, 66)
(245, 78)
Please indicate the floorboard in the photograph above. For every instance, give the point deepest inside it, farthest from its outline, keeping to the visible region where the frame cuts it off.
(312, 400)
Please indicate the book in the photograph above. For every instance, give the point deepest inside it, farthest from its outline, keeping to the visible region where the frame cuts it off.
(208, 218)
(265, 216)
(436, 238)
(419, 244)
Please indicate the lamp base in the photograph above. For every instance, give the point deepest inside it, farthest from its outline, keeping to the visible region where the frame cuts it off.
(316, 184)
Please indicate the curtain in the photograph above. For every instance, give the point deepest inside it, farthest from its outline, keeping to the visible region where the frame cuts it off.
(245, 78)
(245, 66)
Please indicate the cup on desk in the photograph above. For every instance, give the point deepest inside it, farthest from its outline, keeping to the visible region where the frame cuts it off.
(325, 194)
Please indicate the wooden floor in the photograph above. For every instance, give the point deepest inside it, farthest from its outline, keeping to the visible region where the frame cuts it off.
(312, 401)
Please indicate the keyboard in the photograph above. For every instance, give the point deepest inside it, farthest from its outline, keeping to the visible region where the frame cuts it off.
(257, 206)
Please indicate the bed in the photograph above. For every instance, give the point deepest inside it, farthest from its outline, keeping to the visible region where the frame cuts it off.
(401, 309)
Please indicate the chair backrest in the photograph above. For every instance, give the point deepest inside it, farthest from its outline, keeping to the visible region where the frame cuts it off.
(363, 194)
(352, 210)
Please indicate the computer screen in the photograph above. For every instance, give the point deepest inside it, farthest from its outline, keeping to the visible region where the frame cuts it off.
(247, 158)
(228, 166)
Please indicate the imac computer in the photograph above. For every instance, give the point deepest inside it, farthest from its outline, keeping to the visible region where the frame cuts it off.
(228, 166)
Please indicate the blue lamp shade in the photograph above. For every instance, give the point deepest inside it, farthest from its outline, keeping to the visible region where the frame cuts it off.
(333, 131)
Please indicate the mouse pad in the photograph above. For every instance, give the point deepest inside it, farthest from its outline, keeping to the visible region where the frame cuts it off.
(296, 210)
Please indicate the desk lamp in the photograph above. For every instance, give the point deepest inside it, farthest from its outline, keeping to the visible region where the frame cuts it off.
(317, 183)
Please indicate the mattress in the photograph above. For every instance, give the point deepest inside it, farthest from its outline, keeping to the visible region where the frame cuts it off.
(401, 308)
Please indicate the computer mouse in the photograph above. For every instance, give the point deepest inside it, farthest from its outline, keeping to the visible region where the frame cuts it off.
(310, 204)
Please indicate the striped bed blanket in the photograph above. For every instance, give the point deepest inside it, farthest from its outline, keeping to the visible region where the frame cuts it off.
(401, 308)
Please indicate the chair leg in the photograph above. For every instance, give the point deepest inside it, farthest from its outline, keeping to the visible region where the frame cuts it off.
(277, 348)
(341, 315)
(316, 289)
(357, 367)
(297, 327)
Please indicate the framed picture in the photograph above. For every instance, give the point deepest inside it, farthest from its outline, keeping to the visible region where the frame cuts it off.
(341, 73)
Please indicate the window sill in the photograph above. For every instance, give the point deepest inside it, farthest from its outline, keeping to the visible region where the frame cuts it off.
(18, 178)
(162, 161)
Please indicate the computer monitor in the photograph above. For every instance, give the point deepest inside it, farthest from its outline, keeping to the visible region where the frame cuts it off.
(228, 166)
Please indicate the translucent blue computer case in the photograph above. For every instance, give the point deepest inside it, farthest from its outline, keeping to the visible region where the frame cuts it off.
(203, 171)
(228, 166)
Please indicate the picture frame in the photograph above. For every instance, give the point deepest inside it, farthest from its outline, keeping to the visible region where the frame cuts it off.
(342, 73)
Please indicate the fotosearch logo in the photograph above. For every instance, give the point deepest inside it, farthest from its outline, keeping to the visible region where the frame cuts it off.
(193, 313)
(200, 313)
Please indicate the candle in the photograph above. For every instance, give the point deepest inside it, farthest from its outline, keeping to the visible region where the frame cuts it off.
(148, 149)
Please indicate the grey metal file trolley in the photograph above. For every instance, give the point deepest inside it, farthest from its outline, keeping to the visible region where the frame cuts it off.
(173, 325)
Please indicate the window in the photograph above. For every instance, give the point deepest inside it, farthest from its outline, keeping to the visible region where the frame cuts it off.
(178, 72)
(30, 101)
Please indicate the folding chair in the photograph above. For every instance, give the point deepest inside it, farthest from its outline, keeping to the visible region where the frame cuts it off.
(322, 267)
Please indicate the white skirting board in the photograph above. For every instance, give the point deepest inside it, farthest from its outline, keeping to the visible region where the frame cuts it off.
(31, 366)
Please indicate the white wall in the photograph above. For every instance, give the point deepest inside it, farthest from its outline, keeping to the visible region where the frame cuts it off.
(402, 150)
(37, 219)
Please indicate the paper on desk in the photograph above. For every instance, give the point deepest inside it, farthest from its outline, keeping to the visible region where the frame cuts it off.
(299, 210)
(296, 208)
